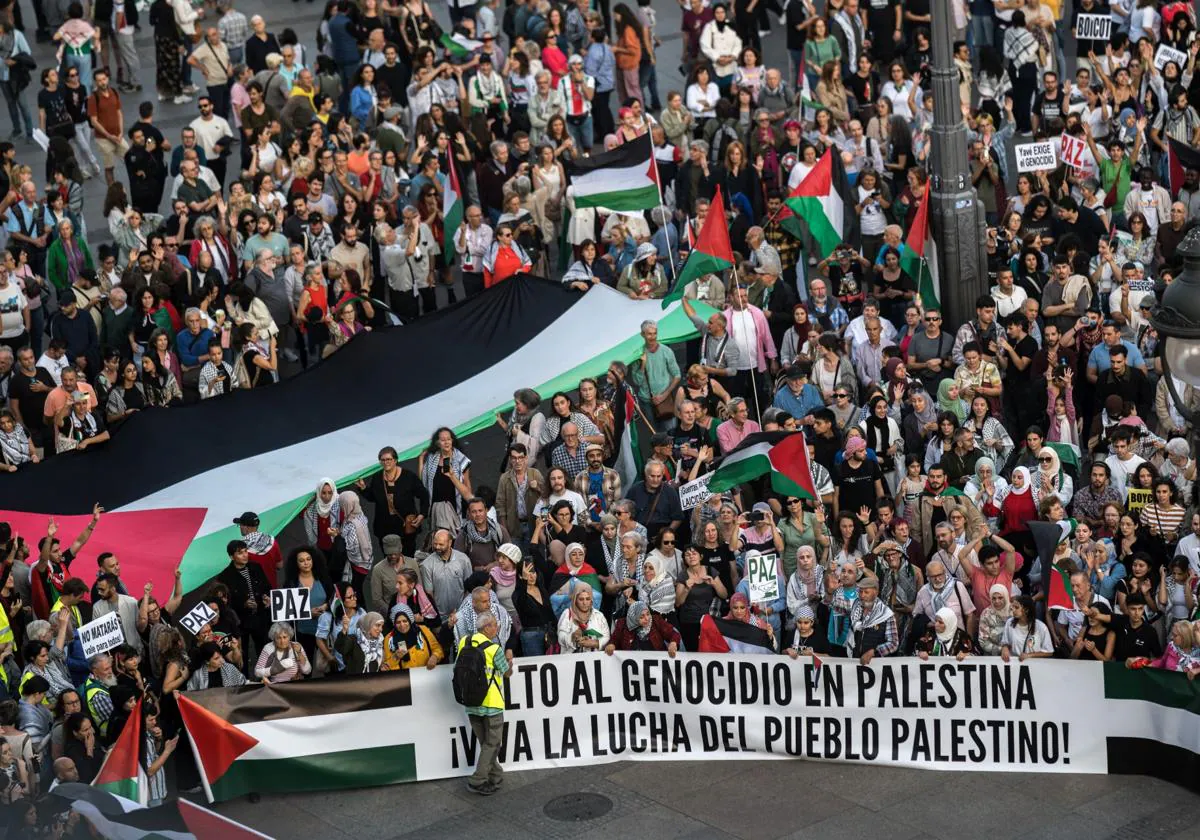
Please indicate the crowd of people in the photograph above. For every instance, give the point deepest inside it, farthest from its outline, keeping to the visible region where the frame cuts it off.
(303, 206)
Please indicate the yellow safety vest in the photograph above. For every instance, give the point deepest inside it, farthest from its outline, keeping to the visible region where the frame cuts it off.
(26, 677)
(6, 633)
(90, 689)
(59, 605)
(495, 697)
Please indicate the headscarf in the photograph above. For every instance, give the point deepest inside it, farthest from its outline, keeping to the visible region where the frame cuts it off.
(323, 508)
(984, 461)
(581, 619)
(413, 637)
(353, 517)
(571, 549)
(633, 617)
(854, 444)
(372, 648)
(1003, 590)
(1055, 470)
(878, 429)
(945, 403)
(890, 377)
(1014, 491)
(929, 415)
(948, 618)
(751, 618)
(658, 591)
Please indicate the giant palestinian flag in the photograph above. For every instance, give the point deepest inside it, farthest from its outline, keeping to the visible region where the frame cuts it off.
(822, 201)
(624, 179)
(173, 480)
(782, 455)
(919, 258)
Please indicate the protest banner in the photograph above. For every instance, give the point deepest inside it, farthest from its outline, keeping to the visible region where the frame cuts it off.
(694, 492)
(1093, 27)
(762, 577)
(199, 615)
(1037, 157)
(977, 715)
(1164, 54)
(101, 635)
(290, 605)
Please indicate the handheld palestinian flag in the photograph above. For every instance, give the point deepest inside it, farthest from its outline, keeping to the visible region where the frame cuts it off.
(459, 46)
(820, 200)
(1180, 158)
(1060, 596)
(782, 455)
(625, 430)
(121, 773)
(452, 212)
(919, 260)
(721, 635)
(624, 179)
(790, 222)
(808, 103)
(711, 253)
(350, 736)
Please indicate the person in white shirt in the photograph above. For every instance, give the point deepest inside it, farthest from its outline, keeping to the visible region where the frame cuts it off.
(722, 46)
(856, 332)
(472, 241)
(1189, 546)
(54, 361)
(1009, 297)
(1123, 462)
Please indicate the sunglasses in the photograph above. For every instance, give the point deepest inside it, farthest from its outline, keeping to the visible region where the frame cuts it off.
(793, 502)
(668, 542)
(932, 320)
(1045, 460)
(842, 396)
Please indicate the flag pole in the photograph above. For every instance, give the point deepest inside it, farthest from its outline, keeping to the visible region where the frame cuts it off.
(753, 383)
(667, 220)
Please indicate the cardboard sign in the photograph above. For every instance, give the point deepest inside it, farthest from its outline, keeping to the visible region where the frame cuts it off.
(1093, 27)
(762, 577)
(1073, 151)
(101, 635)
(200, 615)
(694, 493)
(1037, 157)
(1165, 54)
(290, 605)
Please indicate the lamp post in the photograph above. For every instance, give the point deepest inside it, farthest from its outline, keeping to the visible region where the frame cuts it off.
(957, 219)
(1177, 321)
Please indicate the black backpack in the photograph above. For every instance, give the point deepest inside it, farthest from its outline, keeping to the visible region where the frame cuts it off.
(471, 681)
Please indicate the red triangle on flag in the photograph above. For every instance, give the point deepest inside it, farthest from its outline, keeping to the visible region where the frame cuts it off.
(790, 458)
(714, 236)
(919, 232)
(652, 172)
(218, 742)
(819, 182)
(121, 763)
(206, 824)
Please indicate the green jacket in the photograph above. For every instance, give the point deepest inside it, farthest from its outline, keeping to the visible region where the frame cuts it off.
(56, 262)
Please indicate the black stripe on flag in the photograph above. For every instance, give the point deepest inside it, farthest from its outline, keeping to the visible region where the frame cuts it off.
(626, 155)
(376, 373)
(1147, 757)
(282, 701)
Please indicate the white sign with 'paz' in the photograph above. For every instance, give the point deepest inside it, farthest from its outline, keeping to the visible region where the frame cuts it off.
(290, 605)
(101, 635)
(1037, 157)
(197, 617)
(763, 578)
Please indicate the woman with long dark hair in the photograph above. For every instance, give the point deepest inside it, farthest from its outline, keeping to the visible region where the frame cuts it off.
(446, 473)
(305, 568)
(627, 48)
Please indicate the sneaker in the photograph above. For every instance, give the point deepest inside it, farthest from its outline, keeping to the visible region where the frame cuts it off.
(182, 99)
(485, 789)
(763, 33)
(191, 89)
(162, 98)
(290, 354)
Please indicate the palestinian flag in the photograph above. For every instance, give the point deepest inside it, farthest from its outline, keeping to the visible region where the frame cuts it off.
(1152, 729)
(452, 212)
(1060, 596)
(723, 635)
(919, 259)
(820, 202)
(122, 773)
(808, 103)
(624, 179)
(459, 46)
(790, 222)
(628, 463)
(1180, 158)
(525, 333)
(178, 820)
(319, 735)
(711, 253)
(783, 455)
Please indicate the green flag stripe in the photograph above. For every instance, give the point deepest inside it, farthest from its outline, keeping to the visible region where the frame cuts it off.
(698, 264)
(641, 198)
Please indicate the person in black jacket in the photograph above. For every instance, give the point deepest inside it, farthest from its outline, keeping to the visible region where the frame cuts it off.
(147, 172)
(400, 498)
(249, 593)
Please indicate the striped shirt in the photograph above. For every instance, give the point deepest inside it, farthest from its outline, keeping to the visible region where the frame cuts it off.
(1163, 521)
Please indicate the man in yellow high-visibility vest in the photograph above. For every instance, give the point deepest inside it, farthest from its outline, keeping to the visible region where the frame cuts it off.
(487, 720)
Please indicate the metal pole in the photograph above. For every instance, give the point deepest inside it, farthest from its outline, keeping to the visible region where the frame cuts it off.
(957, 217)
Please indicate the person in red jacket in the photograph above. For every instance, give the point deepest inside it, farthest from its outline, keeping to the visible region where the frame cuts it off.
(262, 547)
(504, 259)
(643, 629)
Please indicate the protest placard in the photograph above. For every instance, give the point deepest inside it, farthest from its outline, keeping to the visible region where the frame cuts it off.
(1037, 157)
(1073, 151)
(197, 617)
(101, 635)
(1093, 27)
(290, 605)
(694, 492)
(762, 577)
(1164, 54)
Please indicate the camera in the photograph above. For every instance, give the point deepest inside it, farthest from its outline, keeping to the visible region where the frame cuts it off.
(757, 516)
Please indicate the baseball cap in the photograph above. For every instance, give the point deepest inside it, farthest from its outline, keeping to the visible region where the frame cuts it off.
(249, 519)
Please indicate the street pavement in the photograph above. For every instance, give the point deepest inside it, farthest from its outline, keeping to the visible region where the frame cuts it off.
(710, 800)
